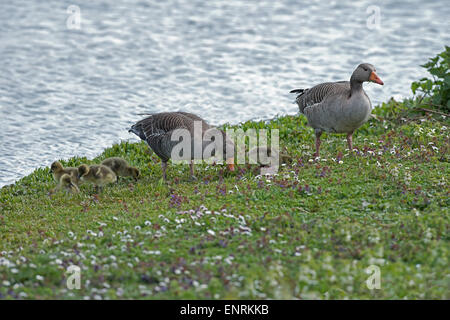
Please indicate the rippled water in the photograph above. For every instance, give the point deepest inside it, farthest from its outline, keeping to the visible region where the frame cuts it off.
(67, 92)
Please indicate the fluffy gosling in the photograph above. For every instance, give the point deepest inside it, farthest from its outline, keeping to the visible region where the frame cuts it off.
(98, 175)
(269, 159)
(121, 168)
(66, 184)
(58, 171)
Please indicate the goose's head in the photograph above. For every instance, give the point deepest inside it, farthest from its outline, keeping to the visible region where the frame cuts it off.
(83, 170)
(366, 72)
(56, 167)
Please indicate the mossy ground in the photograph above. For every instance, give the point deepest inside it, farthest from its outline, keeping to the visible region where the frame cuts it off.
(309, 232)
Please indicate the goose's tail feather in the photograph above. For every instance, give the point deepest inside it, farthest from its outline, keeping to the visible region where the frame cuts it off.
(298, 91)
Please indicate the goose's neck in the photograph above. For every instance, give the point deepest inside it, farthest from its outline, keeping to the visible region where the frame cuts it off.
(355, 86)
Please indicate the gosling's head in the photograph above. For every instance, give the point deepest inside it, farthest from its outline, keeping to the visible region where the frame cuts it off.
(56, 167)
(134, 172)
(83, 170)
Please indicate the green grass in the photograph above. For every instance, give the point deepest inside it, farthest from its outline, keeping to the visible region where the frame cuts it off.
(309, 232)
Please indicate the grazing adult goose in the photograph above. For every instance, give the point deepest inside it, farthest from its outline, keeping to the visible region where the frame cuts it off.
(121, 168)
(157, 131)
(339, 107)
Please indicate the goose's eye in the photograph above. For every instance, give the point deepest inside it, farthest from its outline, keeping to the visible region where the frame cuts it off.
(365, 69)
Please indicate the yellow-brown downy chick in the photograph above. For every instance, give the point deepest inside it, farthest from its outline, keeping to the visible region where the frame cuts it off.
(99, 175)
(58, 171)
(66, 183)
(121, 168)
(270, 156)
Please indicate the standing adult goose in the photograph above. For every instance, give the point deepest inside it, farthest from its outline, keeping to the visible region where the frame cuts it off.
(339, 107)
(157, 131)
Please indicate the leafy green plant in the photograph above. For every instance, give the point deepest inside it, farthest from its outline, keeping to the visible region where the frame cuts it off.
(437, 90)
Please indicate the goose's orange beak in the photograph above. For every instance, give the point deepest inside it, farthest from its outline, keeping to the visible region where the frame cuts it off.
(230, 164)
(374, 78)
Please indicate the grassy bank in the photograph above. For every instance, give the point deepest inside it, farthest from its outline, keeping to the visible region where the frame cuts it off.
(309, 232)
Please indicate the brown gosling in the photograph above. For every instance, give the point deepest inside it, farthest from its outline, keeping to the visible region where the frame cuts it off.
(98, 175)
(121, 168)
(66, 183)
(58, 171)
(271, 158)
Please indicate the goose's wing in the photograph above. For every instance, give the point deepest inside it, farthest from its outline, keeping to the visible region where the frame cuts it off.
(316, 94)
(158, 124)
(157, 130)
(190, 116)
(194, 117)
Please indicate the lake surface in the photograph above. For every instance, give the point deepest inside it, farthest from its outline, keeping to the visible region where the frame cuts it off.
(67, 92)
